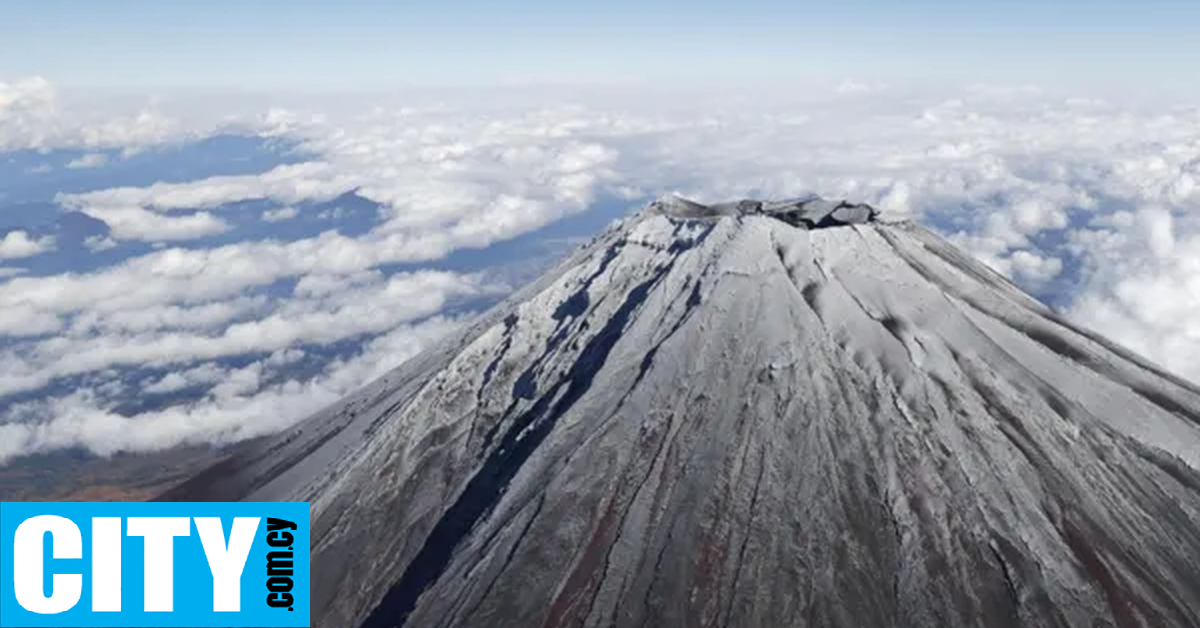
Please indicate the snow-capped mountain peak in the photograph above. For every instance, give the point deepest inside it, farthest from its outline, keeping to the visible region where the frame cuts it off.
(752, 414)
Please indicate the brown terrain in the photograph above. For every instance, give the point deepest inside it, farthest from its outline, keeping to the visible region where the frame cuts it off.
(79, 476)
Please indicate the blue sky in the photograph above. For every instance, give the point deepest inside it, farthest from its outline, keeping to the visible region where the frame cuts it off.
(372, 44)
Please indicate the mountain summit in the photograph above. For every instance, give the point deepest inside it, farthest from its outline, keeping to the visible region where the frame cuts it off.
(752, 414)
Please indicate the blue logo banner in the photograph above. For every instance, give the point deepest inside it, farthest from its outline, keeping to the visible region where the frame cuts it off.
(154, 564)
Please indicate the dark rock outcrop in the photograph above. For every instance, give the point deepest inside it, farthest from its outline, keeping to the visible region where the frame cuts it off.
(807, 213)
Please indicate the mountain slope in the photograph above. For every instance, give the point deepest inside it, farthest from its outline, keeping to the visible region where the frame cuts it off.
(752, 415)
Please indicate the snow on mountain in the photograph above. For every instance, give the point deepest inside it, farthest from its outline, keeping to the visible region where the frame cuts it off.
(752, 414)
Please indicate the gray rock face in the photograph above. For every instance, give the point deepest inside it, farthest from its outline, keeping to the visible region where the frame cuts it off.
(709, 416)
(807, 213)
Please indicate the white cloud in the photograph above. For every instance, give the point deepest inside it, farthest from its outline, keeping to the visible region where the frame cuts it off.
(1036, 214)
(280, 215)
(33, 116)
(26, 321)
(25, 107)
(205, 316)
(90, 160)
(1144, 287)
(190, 276)
(286, 184)
(160, 336)
(1034, 270)
(205, 374)
(238, 407)
(19, 245)
(97, 243)
(1157, 227)
(146, 128)
(135, 223)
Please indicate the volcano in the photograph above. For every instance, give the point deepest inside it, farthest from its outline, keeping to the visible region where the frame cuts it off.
(751, 414)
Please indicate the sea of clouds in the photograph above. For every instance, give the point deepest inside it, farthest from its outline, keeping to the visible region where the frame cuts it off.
(1092, 205)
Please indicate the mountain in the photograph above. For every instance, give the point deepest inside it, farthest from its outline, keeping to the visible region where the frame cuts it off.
(752, 414)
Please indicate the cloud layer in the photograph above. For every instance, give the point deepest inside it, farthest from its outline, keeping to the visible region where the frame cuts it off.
(1093, 206)
(19, 244)
(32, 116)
